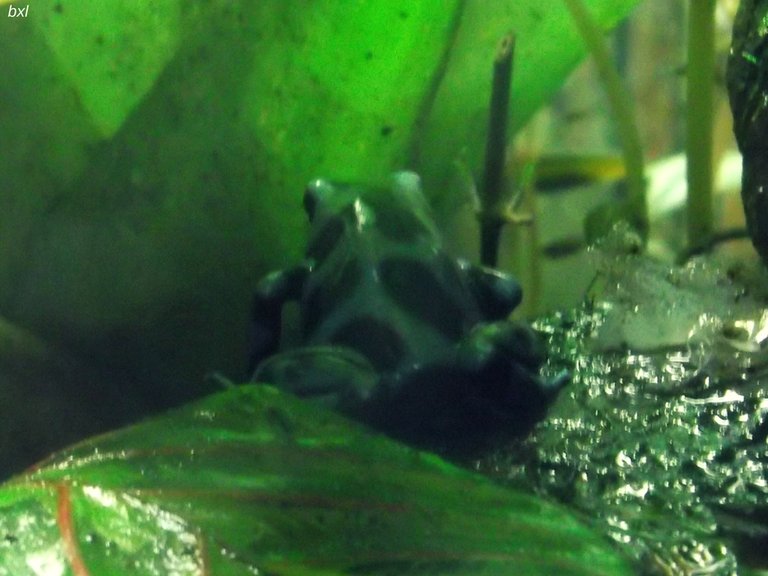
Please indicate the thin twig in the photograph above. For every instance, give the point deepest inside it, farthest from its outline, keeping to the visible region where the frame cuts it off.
(491, 197)
(714, 238)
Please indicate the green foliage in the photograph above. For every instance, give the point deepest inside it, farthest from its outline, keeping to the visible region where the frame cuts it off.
(253, 481)
(157, 151)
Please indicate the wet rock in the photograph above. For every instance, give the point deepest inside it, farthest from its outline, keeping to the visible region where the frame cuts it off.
(747, 80)
(661, 437)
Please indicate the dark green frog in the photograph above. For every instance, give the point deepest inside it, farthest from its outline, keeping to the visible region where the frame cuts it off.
(396, 333)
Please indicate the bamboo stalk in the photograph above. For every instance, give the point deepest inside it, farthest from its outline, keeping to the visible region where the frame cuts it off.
(700, 121)
(621, 108)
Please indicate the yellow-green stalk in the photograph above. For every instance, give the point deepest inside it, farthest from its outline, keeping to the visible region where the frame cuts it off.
(700, 118)
(621, 109)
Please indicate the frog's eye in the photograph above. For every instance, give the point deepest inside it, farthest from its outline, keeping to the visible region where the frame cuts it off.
(314, 193)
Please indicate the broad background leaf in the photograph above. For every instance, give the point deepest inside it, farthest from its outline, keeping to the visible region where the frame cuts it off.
(153, 156)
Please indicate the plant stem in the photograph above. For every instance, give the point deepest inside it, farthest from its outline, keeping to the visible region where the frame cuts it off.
(491, 197)
(700, 118)
(621, 109)
(428, 100)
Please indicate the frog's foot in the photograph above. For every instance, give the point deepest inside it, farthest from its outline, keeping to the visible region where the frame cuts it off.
(333, 376)
(510, 354)
(489, 392)
(502, 341)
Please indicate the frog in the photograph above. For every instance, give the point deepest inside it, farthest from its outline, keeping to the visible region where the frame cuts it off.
(396, 333)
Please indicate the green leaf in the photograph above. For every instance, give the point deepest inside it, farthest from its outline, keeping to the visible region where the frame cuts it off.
(340, 96)
(111, 50)
(251, 481)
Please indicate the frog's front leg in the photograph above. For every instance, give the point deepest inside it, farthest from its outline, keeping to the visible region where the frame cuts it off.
(267, 310)
(336, 377)
(497, 293)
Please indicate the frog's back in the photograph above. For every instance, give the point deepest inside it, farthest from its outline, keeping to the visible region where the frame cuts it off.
(381, 282)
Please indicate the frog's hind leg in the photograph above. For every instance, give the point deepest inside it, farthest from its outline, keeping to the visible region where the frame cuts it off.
(272, 292)
(497, 293)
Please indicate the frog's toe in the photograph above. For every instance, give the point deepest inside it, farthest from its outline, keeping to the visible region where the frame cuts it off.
(552, 386)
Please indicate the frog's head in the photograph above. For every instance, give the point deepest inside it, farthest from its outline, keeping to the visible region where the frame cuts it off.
(399, 212)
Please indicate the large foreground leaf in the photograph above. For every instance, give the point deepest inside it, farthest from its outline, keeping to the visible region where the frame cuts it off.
(250, 481)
